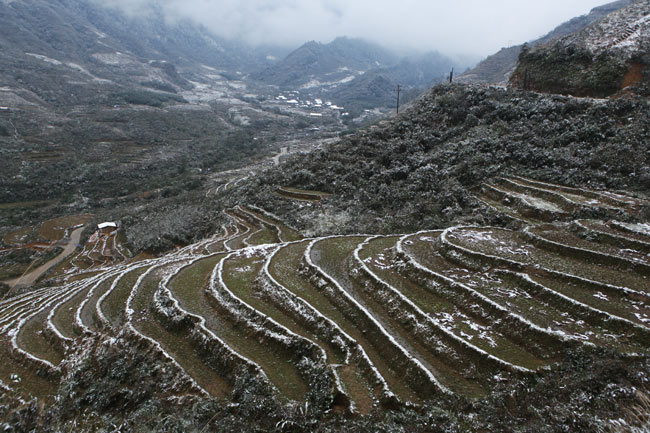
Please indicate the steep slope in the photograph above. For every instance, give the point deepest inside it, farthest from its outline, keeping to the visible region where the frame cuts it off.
(97, 104)
(497, 68)
(599, 60)
(80, 30)
(259, 319)
(67, 52)
(418, 169)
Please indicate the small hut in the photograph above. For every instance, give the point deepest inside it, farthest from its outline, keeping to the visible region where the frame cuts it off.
(107, 227)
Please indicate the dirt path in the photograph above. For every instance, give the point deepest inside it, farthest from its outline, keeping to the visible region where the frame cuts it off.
(30, 278)
(283, 151)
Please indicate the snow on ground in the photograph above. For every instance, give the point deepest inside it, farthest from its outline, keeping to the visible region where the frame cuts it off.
(45, 59)
(623, 29)
(114, 59)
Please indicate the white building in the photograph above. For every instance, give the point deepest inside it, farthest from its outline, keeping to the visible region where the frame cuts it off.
(107, 225)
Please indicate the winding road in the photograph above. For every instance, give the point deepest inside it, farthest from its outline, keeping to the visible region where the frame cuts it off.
(30, 278)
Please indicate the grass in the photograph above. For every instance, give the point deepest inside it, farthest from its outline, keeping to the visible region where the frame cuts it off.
(115, 303)
(32, 340)
(121, 243)
(13, 270)
(189, 286)
(635, 310)
(83, 276)
(301, 194)
(88, 313)
(54, 229)
(64, 316)
(284, 268)
(513, 246)
(425, 352)
(517, 299)
(243, 286)
(356, 387)
(24, 379)
(176, 344)
(237, 242)
(287, 234)
(64, 265)
(332, 255)
(306, 191)
(442, 309)
(264, 236)
(513, 186)
(565, 237)
(622, 237)
(510, 212)
(18, 237)
(26, 204)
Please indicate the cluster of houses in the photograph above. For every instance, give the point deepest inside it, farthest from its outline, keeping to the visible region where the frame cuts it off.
(316, 106)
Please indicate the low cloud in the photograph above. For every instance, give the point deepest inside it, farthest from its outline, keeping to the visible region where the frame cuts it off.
(456, 27)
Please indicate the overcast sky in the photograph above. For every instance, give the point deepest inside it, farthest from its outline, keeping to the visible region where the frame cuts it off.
(478, 27)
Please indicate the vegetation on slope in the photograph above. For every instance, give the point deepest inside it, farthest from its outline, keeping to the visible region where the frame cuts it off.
(417, 170)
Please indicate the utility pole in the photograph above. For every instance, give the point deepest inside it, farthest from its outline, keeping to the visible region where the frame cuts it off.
(399, 89)
(451, 76)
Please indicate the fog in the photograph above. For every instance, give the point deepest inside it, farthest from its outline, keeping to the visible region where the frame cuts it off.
(469, 27)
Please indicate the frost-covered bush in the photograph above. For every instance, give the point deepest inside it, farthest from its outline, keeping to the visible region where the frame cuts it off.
(419, 170)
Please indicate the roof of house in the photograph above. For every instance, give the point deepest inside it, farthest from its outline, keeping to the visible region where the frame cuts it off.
(106, 225)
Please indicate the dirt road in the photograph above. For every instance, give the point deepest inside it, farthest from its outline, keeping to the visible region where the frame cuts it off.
(31, 277)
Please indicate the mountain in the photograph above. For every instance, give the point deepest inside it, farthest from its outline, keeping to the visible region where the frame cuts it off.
(419, 169)
(103, 48)
(497, 68)
(316, 64)
(80, 29)
(100, 109)
(357, 74)
(502, 262)
(600, 60)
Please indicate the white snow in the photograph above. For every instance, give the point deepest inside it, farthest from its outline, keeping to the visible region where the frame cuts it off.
(45, 59)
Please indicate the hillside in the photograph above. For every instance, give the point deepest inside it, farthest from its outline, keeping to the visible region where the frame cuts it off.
(377, 87)
(315, 63)
(497, 68)
(101, 111)
(258, 326)
(357, 74)
(418, 170)
(600, 60)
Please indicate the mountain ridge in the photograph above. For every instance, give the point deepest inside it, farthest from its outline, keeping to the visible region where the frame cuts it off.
(600, 60)
(497, 68)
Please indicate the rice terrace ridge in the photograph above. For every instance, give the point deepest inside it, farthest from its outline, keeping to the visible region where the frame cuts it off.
(202, 232)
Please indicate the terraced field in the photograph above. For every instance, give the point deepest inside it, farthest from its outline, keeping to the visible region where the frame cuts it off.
(373, 321)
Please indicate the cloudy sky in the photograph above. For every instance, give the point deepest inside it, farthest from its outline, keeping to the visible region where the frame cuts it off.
(477, 27)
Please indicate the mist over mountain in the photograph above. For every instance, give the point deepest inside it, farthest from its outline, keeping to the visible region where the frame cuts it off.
(95, 38)
(356, 73)
(327, 62)
(496, 68)
(470, 28)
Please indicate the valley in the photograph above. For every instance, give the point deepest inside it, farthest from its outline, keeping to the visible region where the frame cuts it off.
(201, 233)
